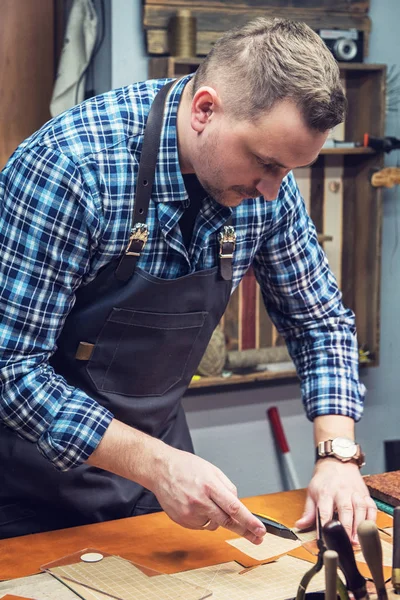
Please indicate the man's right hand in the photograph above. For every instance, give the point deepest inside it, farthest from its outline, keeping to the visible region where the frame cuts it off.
(191, 490)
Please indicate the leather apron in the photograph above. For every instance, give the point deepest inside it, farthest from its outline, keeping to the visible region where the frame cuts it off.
(143, 338)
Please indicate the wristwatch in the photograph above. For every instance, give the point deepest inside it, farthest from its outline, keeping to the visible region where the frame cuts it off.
(341, 448)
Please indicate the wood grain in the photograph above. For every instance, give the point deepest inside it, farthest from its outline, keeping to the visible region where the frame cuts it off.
(321, 5)
(248, 311)
(153, 541)
(27, 67)
(212, 21)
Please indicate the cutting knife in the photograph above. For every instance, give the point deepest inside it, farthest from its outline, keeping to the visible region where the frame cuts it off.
(276, 528)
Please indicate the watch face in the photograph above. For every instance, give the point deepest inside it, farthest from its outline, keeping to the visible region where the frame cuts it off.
(344, 447)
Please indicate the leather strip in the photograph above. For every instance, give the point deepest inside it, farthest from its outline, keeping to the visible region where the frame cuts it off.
(147, 168)
(84, 351)
(226, 256)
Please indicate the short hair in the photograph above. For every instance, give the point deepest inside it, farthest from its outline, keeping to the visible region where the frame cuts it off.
(268, 60)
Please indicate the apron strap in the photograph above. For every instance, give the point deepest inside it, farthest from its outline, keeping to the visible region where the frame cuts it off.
(147, 168)
(227, 242)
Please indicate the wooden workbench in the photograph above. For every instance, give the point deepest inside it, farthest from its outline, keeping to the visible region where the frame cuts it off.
(150, 540)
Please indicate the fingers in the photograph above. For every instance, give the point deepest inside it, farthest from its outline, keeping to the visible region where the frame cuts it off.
(345, 514)
(234, 526)
(308, 516)
(233, 515)
(372, 510)
(218, 518)
(354, 509)
(364, 508)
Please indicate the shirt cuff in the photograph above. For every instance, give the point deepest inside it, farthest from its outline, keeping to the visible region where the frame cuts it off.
(75, 433)
(333, 396)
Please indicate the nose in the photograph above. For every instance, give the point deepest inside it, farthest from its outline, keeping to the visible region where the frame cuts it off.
(269, 187)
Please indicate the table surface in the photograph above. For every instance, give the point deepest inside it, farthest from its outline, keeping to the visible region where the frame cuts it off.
(150, 540)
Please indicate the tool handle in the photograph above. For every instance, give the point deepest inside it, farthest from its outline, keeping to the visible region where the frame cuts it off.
(372, 549)
(396, 550)
(331, 565)
(336, 538)
(274, 417)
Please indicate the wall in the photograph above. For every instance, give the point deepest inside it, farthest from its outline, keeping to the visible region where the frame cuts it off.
(229, 427)
(129, 61)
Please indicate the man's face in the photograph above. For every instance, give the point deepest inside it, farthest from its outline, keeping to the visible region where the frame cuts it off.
(238, 160)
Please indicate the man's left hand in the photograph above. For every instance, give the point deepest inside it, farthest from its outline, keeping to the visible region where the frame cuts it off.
(337, 486)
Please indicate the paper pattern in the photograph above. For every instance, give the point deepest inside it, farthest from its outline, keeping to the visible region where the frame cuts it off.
(272, 545)
(120, 579)
(275, 581)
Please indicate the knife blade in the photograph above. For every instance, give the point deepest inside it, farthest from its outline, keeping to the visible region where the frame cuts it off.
(275, 527)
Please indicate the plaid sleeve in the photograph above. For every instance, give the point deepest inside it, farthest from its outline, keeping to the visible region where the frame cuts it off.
(48, 228)
(305, 304)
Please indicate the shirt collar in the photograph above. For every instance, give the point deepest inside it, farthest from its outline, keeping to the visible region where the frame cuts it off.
(168, 181)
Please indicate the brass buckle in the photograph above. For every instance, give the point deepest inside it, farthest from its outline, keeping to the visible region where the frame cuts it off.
(227, 242)
(137, 240)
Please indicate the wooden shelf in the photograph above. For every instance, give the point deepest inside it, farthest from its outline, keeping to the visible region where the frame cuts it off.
(341, 151)
(209, 382)
(238, 379)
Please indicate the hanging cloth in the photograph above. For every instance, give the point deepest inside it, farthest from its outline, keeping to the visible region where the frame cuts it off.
(79, 43)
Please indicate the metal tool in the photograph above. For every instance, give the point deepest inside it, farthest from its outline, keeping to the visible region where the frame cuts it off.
(276, 528)
(372, 549)
(383, 144)
(301, 591)
(396, 551)
(331, 565)
(336, 538)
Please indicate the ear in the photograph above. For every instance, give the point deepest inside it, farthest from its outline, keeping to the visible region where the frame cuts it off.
(205, 104)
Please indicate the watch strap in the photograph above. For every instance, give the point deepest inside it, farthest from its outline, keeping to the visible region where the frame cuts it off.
(324, 449)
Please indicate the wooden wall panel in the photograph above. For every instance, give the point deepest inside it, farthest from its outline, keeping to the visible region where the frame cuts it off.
(333, 213)
(248, 311)
(320, 5)
(27, 67)
(214, 18)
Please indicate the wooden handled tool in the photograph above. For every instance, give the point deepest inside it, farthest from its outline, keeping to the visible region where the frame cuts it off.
(336, 538)
(396, 551)
(331, 565)
(372, 549)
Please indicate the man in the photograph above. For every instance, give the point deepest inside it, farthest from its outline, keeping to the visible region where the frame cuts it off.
(114, 275)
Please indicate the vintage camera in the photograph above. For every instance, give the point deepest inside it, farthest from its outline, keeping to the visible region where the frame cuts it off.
(346, 45)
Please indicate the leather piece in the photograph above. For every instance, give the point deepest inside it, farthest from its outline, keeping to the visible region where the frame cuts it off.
(85, 351)
(151, 540)
(385, 487)
(9, 597)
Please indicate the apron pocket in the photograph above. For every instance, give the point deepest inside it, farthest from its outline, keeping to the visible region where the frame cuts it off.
(141, 353)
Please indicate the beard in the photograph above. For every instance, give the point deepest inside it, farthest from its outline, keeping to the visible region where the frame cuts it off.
(230, 196)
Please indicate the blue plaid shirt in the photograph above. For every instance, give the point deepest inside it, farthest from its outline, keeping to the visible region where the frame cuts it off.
(66, 201)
